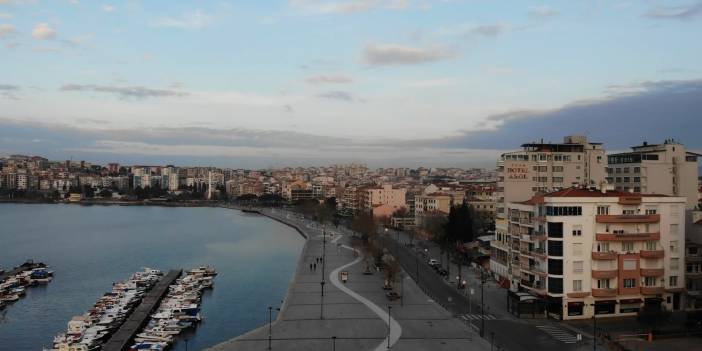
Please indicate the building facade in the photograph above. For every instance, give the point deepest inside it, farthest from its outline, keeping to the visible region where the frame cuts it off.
(604, 252)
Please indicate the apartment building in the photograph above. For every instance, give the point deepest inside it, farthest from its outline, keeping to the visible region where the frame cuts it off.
(430, 204)
(589, 251)
(541, 168)
(372, 196)
(656, 169)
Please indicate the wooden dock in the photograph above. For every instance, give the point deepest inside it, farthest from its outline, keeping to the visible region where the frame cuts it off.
(21, 268)
(122, 339)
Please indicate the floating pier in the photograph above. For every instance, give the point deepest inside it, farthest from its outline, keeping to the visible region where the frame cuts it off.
(122, 339)
(29, 265)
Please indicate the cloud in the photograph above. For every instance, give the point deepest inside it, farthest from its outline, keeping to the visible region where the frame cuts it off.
(250, 148)
(397, 54)
(8, 91)
(628, 115)
(7, 30)
(683, 12)
(189, 20)
(5, 15)
(125, 92)
(108, 8)
(322, 7)
(44, 31)
(337, 95)
(542, 12)
(490, 30)
(329, 79)
(432, 83)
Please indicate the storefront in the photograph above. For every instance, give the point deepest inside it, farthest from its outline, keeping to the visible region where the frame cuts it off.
(575, 308)
(605, 307)
(630, 305)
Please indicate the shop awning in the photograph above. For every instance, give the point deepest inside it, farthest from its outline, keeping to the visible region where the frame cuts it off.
(631, 301)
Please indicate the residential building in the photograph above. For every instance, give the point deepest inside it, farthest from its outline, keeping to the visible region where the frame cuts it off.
(587, 251)
(693, 259)
(371, 197)
(666, 169)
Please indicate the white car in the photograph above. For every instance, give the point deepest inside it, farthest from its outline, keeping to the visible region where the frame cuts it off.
(433, 262)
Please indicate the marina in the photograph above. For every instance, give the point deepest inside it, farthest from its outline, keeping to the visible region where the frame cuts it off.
(14, 283)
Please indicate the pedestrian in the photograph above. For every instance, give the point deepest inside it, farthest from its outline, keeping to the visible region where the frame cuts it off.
(315, 267)
(310, 267)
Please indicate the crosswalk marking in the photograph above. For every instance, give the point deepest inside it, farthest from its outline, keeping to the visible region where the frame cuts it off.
(559, 334)
(477, 317)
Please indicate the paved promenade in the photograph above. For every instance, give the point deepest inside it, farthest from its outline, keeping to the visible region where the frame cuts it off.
(352, 315)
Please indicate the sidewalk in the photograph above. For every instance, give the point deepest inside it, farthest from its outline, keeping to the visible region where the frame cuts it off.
(352, 312)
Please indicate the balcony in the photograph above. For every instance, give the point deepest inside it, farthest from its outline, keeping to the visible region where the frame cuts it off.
(654, 218)
(539, 252)
(539, 236)
(627, 236)
(578, 295)
(651, 253)
(605, 274)
(652, 290)
(611, 255)
(651, 272)
(604, 292)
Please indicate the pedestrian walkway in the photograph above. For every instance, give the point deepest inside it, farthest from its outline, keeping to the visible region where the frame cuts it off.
(559, 334)
(478, 316)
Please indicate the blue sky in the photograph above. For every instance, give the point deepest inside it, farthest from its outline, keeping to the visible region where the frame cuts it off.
(372, 75)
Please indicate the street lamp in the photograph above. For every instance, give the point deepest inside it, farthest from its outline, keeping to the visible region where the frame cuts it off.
(321, 304)
(270, 325)
(186, 344)
(389, 308)
(333, 343)
(482, 303)
(402, 289)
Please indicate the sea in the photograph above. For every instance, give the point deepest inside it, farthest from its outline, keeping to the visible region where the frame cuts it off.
(90, 247)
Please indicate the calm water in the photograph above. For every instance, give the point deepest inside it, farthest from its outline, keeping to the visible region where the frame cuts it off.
(89, 247)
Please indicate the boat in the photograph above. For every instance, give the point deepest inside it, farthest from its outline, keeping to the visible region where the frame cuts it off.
(89, 331)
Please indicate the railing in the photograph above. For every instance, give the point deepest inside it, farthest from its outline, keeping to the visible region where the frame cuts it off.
(652, 272)
(602, 274)
(651, 253)
(611, 255)
(652, 290)
(604, 292)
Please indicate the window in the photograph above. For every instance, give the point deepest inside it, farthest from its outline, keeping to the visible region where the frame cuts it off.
(629, 283)
(628, 212)
(651, 245)
(617, 170)
(637, 179)
(603, 283)
(627, 179)
(629, 265)
(673, 280)
(558, 179)
(618, 179)
(602, 247)
(627, 246)
(577, 285)
(577, 230)
(541, 168)
(602, 210)
(558, 168)
(577, 249)
(674, 263)
(577, 266)
(637, 169)
(651, 211)
(649, 281)
(637, 189)
(625, 170)
(673, 246)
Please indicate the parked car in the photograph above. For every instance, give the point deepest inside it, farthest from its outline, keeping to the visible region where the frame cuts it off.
(391, 295)
(442, 272)
(433, 262)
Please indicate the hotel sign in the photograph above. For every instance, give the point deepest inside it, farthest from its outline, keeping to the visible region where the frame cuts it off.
(517, 171)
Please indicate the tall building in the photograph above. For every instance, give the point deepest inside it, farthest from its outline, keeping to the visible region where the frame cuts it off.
(372, 196)
(605, 252)
(541, 168)
(656, 169)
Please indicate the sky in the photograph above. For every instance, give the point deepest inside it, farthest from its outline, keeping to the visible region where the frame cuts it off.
(310, 82)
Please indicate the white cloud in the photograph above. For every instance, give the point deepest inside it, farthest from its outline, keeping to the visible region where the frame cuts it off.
(398, 54)
(432, 83)
(324, 7)
(108, 8)
(44, 31)
(542, 12)
(5, 15)
(6, 30)
(490, 30)
(329, 79)
(189, 20)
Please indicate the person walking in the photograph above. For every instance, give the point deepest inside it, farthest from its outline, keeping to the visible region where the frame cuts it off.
(315, 267)
(310, 267)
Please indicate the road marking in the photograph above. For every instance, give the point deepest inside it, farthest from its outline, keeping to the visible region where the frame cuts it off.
(477, 316)
(395, 328)
(558, 334)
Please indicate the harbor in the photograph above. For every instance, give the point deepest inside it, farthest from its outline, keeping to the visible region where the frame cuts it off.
(122, 339)
(14, 283)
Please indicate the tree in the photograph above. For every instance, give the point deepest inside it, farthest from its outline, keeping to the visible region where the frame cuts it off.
(391, 267)
(458, 229)
(365, 224)
(653, 315)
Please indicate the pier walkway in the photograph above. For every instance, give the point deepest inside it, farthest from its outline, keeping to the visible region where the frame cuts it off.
(122, 339)
(351, 315)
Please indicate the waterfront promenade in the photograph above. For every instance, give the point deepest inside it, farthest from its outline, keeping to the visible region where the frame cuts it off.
(352, 315)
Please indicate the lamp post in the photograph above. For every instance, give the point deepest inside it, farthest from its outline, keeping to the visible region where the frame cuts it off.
(482, 304)
(333, 343)
(324, 254)
(389, 308)
(402, 289)
(321, 304)
(270, 325)
(186, 344)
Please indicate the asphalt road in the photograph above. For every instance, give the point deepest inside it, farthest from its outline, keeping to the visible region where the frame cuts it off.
(509, 333)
